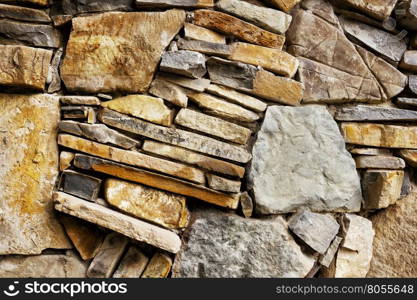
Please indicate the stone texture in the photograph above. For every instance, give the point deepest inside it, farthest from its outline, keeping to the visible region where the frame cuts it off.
(381, 188)
(24, 67)
(132, 265)
(142, 106)
(80, 185)
(297, 161)
(374, 113)
(175, 3)
(193, 32)
(204, 47)
(24, 14)
(193, 158)
(270, 19)
(409, 60)
(380, 135)
(379, 9)
(176, 137)
(236, 247)
(36, 2)
(246, 203)
(29, 169)
(99, 133)
(108, 256)
(222, 184)
(394, 246)
(74, 7)
(379, 162)
(42, 266)
(162, 208)
(316, 230)
(79, 100)
(406, 14)
(328, 257)
(131, 158)
(284, 5)
(410, 156)
(371, 151)
(126, 225)
(74, 112)
(119, 58)
(198, 85)
(53, 79)
(407, 101)
(65, 160)
(230, 25)
(412, 83)
(187, 63)
(158, 267)
(213, 126)
(169, 92)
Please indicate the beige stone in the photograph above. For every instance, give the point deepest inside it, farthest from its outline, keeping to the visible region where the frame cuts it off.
(380, 9)
(79, 100)
(117, 51)
(65, 160)
(198, 85)
(145, 107)
(409, 61)
(194, 32)
(159, 266)
(223, 184)
(162, 208)
(371, 151)
(410, 157)
(170, 92)
(29, 169)
(379, 162)
(132, 264)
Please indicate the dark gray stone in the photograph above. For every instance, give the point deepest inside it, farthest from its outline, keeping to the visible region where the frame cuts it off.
(24, 14)
(74, 112)
(73, 7)
(80, 185)
(374, 113)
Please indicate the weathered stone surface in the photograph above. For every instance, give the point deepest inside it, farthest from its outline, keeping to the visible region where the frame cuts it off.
(39, 35)
(387, 44)
(270, 19)
(412, 83)
(142, 106)
(406, 14)
(74, 7)
(244, 100)
(85, 237)
(42, 266)
(79, 100)
(380, 9)
(284, 5)
(374, 113)
(176, 137)
(157, 181)
(65, 160)
(380, 135)
(198, 85)
(381, 188)
(53, 79)
(61, 20)
(123, 50)
(166, 209)
(99, 133)
(274, 60)
(36, 2)
(394, 244)
(409, 60)
(327, 258)
(23, 14)
(246, 203)
(260, 83)
(229, 25)
(133, 158)
(169, 92)
(297, 161)
(371, 151)
(132, 264)
(175, 3)
(74, 112)
(126, 225)
(379, 162)
(410, 156)
(188, 63)
(108, 256)
(29, 169)
(407, 101)
(238, 247)
(158, 267)
(213, 126)
(316, 230)
(193, 32)
(80, 185)
(222, 184)
(204, 47)
(24, 67)
(193, 158)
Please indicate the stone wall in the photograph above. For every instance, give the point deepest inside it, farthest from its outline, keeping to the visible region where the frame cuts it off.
(203, 138)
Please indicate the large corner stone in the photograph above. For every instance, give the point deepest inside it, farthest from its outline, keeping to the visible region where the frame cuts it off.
(300, 160)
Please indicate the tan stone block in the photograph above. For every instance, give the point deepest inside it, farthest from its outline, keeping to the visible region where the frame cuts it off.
(194, 32)
(284, 5)
(159, 266)
(65, 160)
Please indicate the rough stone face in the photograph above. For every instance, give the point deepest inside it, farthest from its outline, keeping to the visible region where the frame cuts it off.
(198, 85)
(23, 14)
(74, 112)
(142, 106)
(394, 244)
(412, 83)
(379, 162)
(80, 185)
(175, 3)
(381, 188)
(159, 266)
(204, 47)
(284, 5)
(193, 32)
(53, 79)
(371, 151)
(119, 58)
(222, 184)
(374, 113)
(410, 156)
(42, 266)
(327, 258)
(29, 169)
(297, 161)
(169, 92)
(270, 19)
(132, 265)
(166, 209)
(36, 2)
(74, 7)
(380, 9)
(409, 61)
(316, 230)
(187, 63)
(24, 67)
(237, 247)
(65, 160)
(246, 203)
(380, 135)
(126, 225)
(407, 14)
(79, 100)
(407, 101)
(229, 25)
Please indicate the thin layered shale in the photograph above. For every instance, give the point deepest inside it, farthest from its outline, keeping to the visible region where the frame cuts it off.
(205, 138)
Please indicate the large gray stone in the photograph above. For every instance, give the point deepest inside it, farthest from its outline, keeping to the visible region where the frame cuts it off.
(297, 162)
(236, 247)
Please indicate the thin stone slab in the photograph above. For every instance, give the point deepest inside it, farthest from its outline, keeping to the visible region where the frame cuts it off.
(74, 112)
(170, 92)
(79, 100)
(407, 101)
(204, 47)
(198, 85)
(410, 156)
(183, 62)
(80, 185)
(193, 32)
(158, 267)
(126, 225)
(371, 151)
(132, 264)
(223, 184)
(75, 7)
(380, 9)
(24, 14)
(174, 3)
(375, 113)
(379, 162)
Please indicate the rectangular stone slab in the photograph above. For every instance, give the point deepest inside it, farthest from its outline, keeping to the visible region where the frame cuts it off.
(374, 113)
(155, 180)
(126, 225)
(198, 85)
(194, 32)
(174, 3)
(80, 185)
(24, 14)
(379, 162)
(208, 48)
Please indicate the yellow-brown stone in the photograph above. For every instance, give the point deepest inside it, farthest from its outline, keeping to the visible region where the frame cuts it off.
(410, 157)
(284, 5)
(65, 159)
(195, 32)
(159, 266)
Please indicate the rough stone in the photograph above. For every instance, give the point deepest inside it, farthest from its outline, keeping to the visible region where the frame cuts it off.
(410, 156)
(246, 203)
(407, 101)
(158, 267)
(371, 151)
(297, 161)
(29, 169)
(380, 9)
(236, 247)
(170, 92)
(198, 85)
(412, 83)
(175, 3)
(316, 230)
(379, 162)
(24, 67)
(409, 60)
(65, 160)
(74, 7)
(126, 225)
(406, 14)
(36, 2)
(142, 106)
(162, 208)
(374, 113)
(222, 184)
(119, 58)
(74, 112)
(230, 25)
(193, 32)
(187, 63)
(23, 14)
(80, 100)
(53, 79)
(328, 257)
(132, 264)
(284, 5)
(213, 126)
(204, 47)
(80, 185)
